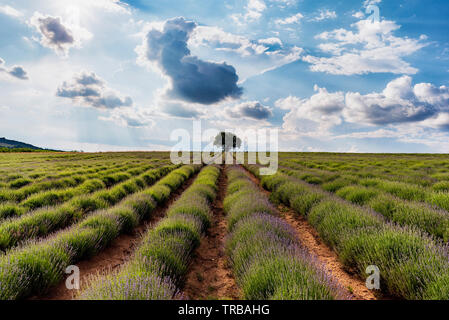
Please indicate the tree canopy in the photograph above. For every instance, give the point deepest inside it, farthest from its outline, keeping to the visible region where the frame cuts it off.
(227, 141)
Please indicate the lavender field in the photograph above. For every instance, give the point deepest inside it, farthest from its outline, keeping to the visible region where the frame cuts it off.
(136, 227)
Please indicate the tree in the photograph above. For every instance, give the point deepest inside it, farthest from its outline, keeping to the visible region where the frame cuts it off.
(227, 141)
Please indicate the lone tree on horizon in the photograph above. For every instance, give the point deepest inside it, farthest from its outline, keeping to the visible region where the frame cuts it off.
(227, 141)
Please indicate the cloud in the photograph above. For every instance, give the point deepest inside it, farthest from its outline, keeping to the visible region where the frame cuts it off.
(17, 72)
(131, 117)
(425, 136)
(441, 121)
(358, 15)
(10, 11)
(251, 109)
(254, 10)
(398, 103)
(284, 3)
(376, 134)
(372, 48)
(191, 79)
(252, 57)
(271, 41)
(315, 115)
(163, 107)
(429, 93)
(89, 90)
(57, 35)
(116, 6)
(325, 15)
(290, 20)
(224, 41)
(180, 110)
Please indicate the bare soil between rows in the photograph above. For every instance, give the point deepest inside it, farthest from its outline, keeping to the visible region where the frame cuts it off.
(210, 276)
(115, 255)
(310, 239)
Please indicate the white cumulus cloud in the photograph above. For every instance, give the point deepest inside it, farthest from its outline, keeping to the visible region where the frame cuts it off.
(371, 48)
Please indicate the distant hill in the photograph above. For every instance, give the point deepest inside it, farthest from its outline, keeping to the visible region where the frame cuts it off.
(13, 145)
(5, 143)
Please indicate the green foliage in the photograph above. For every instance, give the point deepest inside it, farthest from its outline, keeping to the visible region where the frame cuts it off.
(408, 261)
(227, 141)
(412, 264)
(44, 221)
(40, 265)
(337, 184)
(404, 213)
(357, 194)
(441, 186)
(19, 183)
(10, 210)
(264, 250)
(303, 203)
(158, 267)
(334, 220)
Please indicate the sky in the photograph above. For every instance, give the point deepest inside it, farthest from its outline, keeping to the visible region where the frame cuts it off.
(337, 76)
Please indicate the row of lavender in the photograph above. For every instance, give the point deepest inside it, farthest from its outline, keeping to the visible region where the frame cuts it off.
(159, 266)
(50, 193)
(17, 186)
(403, 203)
(266, 255)
(36, 267)
(41, 223)
(412, 264)
(18, 190)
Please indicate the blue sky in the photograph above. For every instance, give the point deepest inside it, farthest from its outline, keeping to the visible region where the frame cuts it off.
(123, 75)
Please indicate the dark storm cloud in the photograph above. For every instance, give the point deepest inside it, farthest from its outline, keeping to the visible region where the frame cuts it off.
(193, 80)
(18, 72)
(88, 89)
(398, 113)
(54, 34)
(87, 79)
(15, 71)
(252, 109)
(55, 31)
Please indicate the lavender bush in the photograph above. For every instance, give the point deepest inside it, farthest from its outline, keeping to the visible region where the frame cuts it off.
(37, 266)
(158, 267)
(413, 265)
(265, 253)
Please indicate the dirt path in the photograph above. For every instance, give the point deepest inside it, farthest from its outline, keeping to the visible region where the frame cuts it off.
(116, 254)
(311, 240)
(209, 276)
